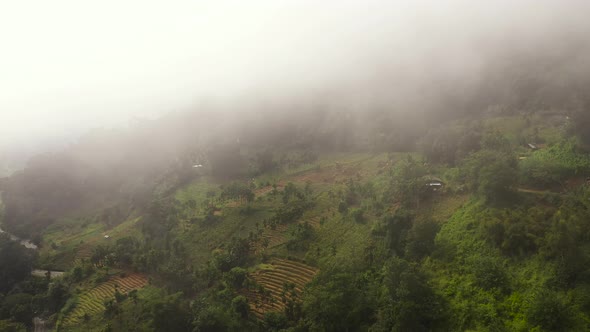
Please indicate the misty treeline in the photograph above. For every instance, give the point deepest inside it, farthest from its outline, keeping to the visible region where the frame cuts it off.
(119, 170)
(411, 274)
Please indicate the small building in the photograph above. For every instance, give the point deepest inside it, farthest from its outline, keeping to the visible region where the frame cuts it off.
(532, 146)
(197, 166)
(434, 183)
(107, 237)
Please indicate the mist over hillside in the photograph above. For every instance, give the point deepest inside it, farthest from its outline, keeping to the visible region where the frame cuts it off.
(385, 113)
(295, 166)
(405, 57)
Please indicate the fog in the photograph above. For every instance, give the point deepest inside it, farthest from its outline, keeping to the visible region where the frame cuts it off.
(67, 66)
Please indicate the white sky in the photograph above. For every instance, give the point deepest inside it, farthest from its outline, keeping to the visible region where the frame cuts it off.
(81, 63)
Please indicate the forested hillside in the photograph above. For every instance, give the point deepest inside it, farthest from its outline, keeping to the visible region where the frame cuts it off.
(466, 210)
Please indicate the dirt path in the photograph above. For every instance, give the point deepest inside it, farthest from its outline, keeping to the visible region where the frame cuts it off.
(536, 192)
(43, 273)
(39, 325)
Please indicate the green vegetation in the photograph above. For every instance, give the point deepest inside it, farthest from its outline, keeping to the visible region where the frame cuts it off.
(554, 165)
(470, 230)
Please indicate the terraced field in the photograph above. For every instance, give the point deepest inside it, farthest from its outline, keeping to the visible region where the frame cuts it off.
(314, 221)
(275, 278)
(274, 237)
(92, 302)
(83, 253)
(277, 236)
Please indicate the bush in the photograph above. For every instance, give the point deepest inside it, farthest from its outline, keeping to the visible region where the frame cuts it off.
(358, 215)
(492, 174)
(420, 240)
(275, 321)
(550, 311)
(240, 306)
(553, 165)
(489, 273)
(236, 277)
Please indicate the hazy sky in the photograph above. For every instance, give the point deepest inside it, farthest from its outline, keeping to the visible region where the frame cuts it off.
(79, 64)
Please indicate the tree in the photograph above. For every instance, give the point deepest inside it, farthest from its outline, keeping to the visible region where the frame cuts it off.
(171, 314)
(397, 227)
(191, 204)
(15, 262)
(554, 165)
(235, 255)
(289, 191)
(18, 306)
(236, 277)
(448, 145)
(340, 301)
(580, 122)
(494, 140)
(237, 190)
(358, 215)
(240, 306)
(492, 175)
(490, 273)
(408, 184)
(57, 295)
(551, 312)
(112, 308)
(420, 239)
(10, 326)
(408, 304)
(264, 162)
(275, 321)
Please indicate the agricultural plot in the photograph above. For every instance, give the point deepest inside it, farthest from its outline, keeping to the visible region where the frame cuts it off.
(271, 237)
(84, 251)
(68, 242)
(91, 303)
(260, 192)
(274, 237)
(278, 282)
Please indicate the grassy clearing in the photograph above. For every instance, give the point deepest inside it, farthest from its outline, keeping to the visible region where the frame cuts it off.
(198, 190)
(441, 207)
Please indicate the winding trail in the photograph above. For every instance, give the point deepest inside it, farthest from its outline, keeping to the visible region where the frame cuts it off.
(537, 192)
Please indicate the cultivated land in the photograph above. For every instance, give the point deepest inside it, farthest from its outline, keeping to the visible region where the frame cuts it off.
(92, 302)
(336, 215)
(275, 284)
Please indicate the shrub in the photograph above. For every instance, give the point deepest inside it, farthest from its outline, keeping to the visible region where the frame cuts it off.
(550, 311)
(553, 165)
